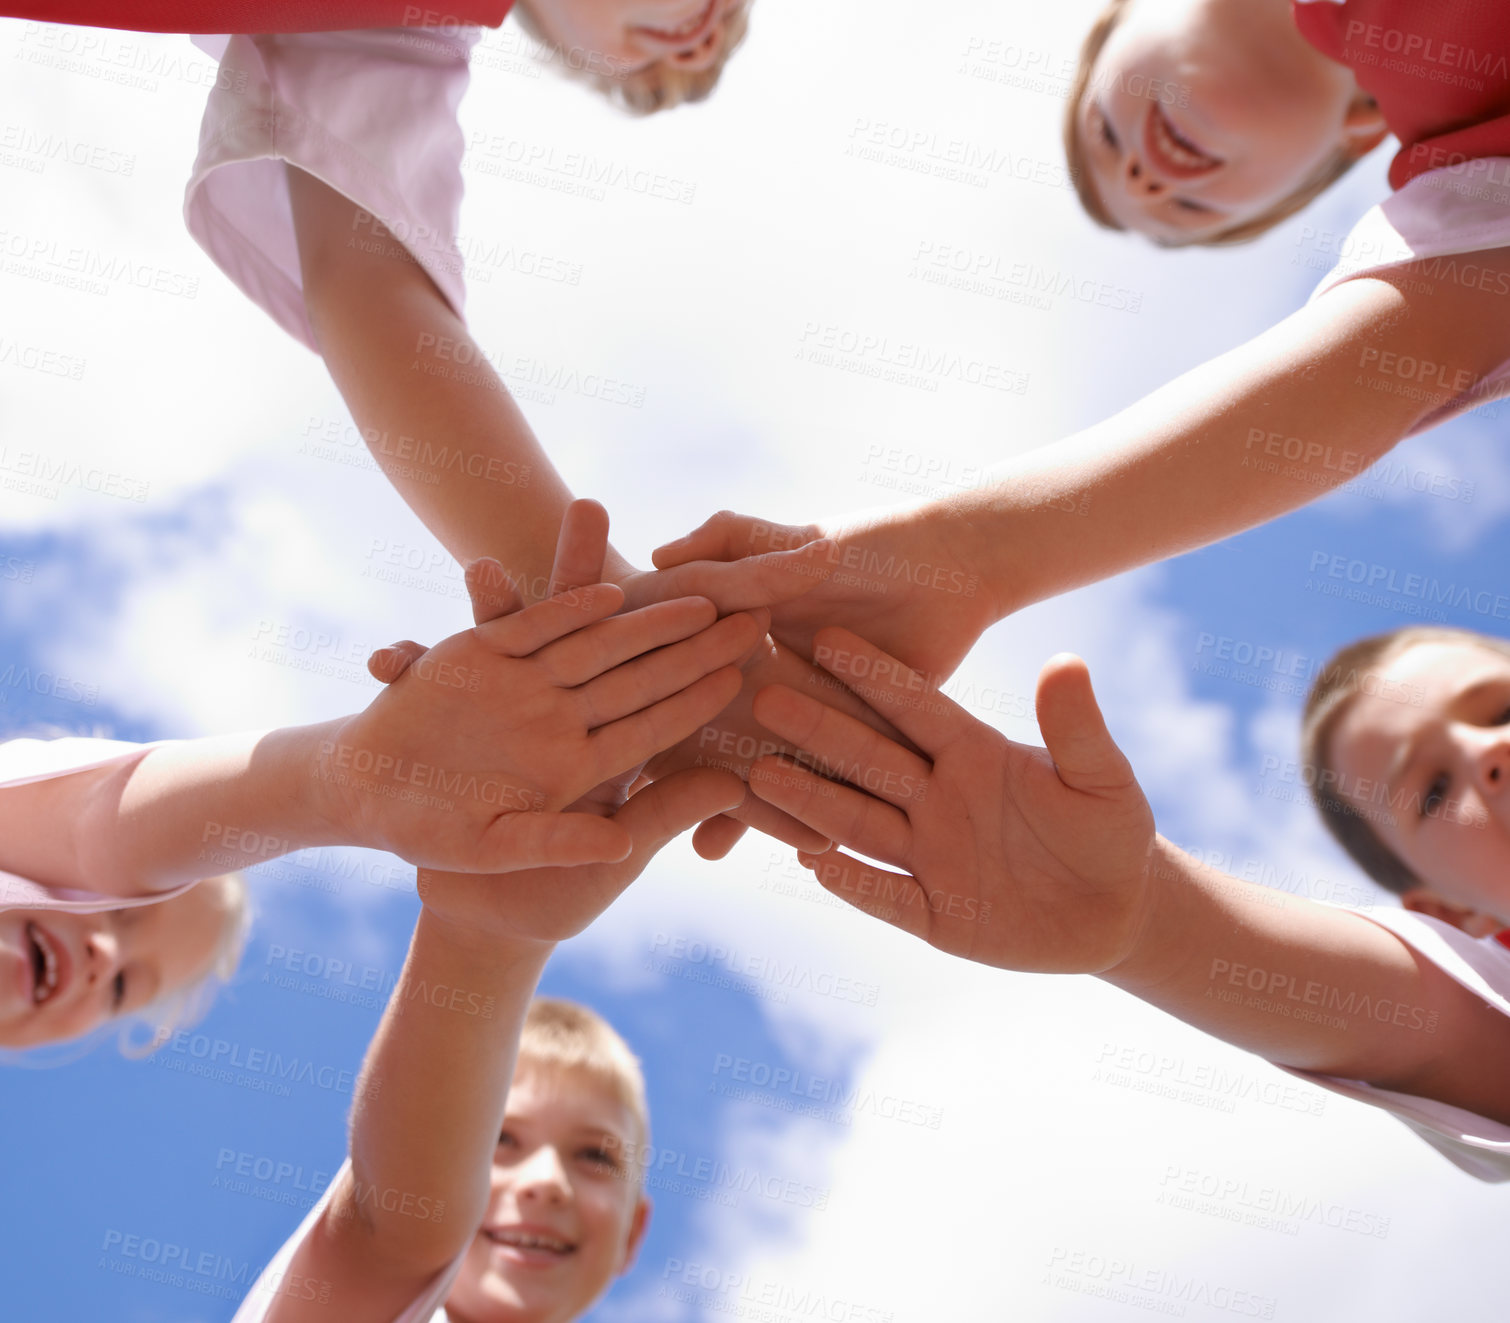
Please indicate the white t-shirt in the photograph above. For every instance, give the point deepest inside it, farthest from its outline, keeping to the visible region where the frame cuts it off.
(1475, 1144)
(371, 113)
(1445, 214)
(427, 1307)
(23, 761)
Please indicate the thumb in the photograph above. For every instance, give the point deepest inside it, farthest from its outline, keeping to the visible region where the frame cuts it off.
(562, 840)
(387, 664)
(1084, 753)
(492, 591)
(730, 536)
(666, 808)
(764, 579)
(716, 837)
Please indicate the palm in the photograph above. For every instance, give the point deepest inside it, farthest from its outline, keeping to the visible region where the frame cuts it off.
(1059, 872)
(735, 739)
(1025, 858)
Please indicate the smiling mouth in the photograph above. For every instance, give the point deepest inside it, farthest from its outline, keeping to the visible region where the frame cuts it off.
(45, 966)
(684, 32)
(1174, 153)
(531, 1242)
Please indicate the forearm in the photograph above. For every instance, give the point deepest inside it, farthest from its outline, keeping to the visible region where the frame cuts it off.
(1249, 436)
(1313, 987)
(437, 417)
(182, 811)
(432, 1096)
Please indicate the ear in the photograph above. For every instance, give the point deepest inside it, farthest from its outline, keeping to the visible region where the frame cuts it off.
(637, 1227)
(1423, 900)
(1363, 126)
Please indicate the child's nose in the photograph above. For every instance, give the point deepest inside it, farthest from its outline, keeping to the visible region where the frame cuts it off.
(542, 1175)
(694, 59)
(104, 954)
(1493, 765)
(1138, 180)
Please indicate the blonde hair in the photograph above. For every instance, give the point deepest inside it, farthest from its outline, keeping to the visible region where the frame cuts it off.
(565, 1035)
(659, 86)
(1317, 182)
(1340, 682)
(182, 1008)
(179, 1008)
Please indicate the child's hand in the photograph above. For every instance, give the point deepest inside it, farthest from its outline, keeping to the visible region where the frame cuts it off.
(892, 577)
(730, 742)
(452, 765)
(1016, 856)
(542, 906)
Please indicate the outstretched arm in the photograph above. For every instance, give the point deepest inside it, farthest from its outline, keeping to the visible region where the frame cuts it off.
(181, 811)
(441, 424)
(466, 762)
(1249, 436)
(1047, 860)
(435, 1082)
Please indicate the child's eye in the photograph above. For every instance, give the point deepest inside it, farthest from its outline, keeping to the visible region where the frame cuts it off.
(1104, 127)
(506, 1140)
(1436, 796)
(1187, 204)
(601, 1157)
(118, 991)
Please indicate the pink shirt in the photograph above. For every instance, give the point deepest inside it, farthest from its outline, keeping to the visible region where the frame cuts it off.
(370, 113)
(25, 761)
(1473, 1143)
(1442, 218)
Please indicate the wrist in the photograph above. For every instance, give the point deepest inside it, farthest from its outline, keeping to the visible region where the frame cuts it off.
(472, 944)
(970, 533)
(307, 761)
(1154, 951)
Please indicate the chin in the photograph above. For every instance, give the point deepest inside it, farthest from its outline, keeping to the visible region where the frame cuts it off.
(494, 1298)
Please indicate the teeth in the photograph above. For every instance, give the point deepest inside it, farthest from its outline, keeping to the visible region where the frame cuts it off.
(522, 1240)
(45, 958)
(1175, 149)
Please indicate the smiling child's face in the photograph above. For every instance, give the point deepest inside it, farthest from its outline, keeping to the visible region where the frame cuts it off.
(1442, 765)
(63, 974)
(566, 1214)
(1203, 114)
(631, 35)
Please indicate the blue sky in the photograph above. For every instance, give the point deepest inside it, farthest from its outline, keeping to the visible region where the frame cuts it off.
(258, 514)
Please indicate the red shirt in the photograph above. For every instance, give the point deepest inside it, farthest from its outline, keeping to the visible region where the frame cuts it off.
(1439, 69)
(260, 15)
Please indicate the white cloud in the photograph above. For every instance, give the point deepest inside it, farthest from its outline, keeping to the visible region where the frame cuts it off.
(794, 244)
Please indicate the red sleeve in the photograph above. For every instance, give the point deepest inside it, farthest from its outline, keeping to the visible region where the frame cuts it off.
(252, 16)
(1439, 69)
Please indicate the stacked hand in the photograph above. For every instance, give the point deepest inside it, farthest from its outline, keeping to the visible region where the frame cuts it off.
(733, 739)
(1015, 856)
(1026, 858)
(545, 905)
(468, 757)
(895, 578)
